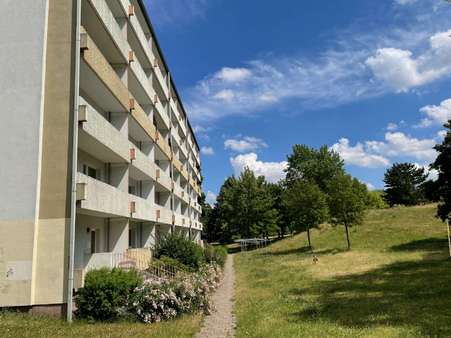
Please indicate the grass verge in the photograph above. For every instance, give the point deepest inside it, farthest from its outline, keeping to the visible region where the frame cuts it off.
(396, 281)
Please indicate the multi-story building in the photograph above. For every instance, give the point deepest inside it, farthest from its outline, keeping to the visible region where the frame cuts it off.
(98, 158)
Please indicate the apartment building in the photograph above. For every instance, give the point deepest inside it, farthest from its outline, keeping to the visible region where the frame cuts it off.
(99, 159)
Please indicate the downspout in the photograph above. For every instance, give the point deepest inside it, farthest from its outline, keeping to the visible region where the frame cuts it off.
(70, 279)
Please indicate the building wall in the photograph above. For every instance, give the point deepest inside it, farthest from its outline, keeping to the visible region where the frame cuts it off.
(52, 240)
(22, 70)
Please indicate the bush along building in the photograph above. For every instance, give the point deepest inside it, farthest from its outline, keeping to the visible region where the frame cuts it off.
(99, 159)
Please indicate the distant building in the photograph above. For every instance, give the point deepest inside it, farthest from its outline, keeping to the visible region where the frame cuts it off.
(138, 167)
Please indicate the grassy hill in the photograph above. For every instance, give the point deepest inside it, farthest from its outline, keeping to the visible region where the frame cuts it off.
(396, 281)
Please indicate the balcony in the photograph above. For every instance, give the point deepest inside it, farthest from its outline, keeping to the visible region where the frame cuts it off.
(142, 167)
(101, 199)
(133, 258)
(163, 179)
(163, 215)
(144, 45)
(100, 138)
(143, 210)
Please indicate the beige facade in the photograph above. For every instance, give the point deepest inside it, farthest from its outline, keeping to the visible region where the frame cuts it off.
(138, 166)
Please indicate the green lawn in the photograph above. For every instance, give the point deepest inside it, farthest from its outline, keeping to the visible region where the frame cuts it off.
(396, 281)
(20, 325)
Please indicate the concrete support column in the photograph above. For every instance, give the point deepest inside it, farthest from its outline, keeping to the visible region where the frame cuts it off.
(118, 235)
(148, 235)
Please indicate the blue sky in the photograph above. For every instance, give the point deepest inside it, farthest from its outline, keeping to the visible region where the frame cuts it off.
(370, 79)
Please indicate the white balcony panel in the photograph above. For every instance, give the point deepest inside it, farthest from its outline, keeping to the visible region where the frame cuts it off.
(103, 199)
(142, 168)
(144, 209)
(163, 179)
(99, 137)
(181, 221)
(136, 26)
(103, 11)
(180, 193)
(146, 86)
(165, 215)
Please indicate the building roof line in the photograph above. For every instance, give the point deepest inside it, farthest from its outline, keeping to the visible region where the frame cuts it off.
(152, 30)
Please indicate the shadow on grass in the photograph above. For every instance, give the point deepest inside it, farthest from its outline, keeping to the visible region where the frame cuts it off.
(306, 250)
(428, 244)
(415, 294)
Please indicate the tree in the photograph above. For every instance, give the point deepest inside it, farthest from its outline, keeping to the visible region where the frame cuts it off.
(402, 184)
(443, 165)
(319, 166)
(276, 190)
(375, 200)
(347, 202)
(306, 205)
(245, 208)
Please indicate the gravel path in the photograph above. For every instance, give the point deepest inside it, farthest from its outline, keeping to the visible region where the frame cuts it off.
(221, 323)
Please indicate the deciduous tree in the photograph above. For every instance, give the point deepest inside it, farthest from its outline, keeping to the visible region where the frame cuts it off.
(306, 205)
(347, 202)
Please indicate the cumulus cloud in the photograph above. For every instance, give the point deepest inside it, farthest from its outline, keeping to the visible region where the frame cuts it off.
(436, 115)
(362, 63)
(244, 144)
(374, 154)
(357, 155)
(208, 151)
(233, 74)
(400, 70)
(392, 126)
(211, 197)
(399, 144)
(273, 171)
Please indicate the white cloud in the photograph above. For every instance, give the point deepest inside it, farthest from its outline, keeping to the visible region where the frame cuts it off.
(436, 115)
(244, 144)
(225, 95)
(401, 71)
(365, 61)
(432, 174)
(399, 144)
(233, 74)
(369, 186)
(441, 135)
(208, 151)
(392, 126)
(357, 155)
(273, 171)
(211, 197)
(404, 2)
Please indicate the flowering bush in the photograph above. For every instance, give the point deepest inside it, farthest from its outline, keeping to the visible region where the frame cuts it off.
(160, 299)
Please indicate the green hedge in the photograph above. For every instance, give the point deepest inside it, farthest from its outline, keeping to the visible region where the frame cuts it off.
(105, 294)
(181, 249)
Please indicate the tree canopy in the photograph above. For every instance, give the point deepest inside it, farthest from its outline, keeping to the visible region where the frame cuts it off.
(403, 184)
(347, 202)
(316, 165)
(306, 205)
(443, 165)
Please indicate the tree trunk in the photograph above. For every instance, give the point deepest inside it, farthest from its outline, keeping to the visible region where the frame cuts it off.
(347, 236)
(308, 236)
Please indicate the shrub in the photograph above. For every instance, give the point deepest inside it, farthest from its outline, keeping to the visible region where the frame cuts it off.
(159, 299)
(179, 248)
(105, 294)
(217, 254)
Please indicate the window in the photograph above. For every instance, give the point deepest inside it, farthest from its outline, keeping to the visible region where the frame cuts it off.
(93, 242)
(90, 171)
